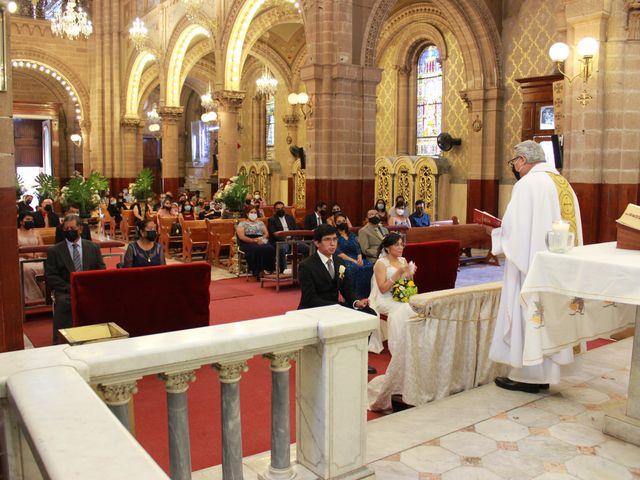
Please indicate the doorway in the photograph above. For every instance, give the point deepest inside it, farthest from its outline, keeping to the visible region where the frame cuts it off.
(33, 150)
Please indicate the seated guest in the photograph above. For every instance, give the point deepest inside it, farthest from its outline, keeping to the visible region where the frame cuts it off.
(25, 204)
(114, 211)
(121, 204)
(85, 231)
(392, 210)
(187, 212)
(45, 217)
(165, 211)
(359, 270)
(420, 218)
(381, 210)
(206, 213)
(279, 222)
(73, 254)
(145, 251)
(253, 240)
(139, 209)
(315, 218)
(399, 218)
(371, 235)
(258, 201)
(27, 237)
(336, 210)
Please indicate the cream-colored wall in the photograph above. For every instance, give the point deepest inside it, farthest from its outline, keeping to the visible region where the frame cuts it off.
(458, 202)
(386, 107)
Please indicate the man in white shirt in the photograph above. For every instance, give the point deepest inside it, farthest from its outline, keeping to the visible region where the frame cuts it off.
(534, 206)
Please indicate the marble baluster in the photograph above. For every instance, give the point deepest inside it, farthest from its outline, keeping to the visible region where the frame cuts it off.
(117, 397)
(176, 385)
(229, 374)
(280, 467)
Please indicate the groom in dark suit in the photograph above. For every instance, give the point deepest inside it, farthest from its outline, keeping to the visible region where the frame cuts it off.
(73, 254)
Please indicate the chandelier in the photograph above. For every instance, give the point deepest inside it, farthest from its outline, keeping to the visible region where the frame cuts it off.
(153, 120)
(71, 21)
(266, 84)
(138, 34)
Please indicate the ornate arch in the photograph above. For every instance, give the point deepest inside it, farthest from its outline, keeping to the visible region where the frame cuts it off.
(134, 82)
(178, 46)
(403, 174)
(383, 179)
(298, 62)
(425, 187)
(414, 38)
(194, 56)
(268, 56)
(470, 21)
(58, 67)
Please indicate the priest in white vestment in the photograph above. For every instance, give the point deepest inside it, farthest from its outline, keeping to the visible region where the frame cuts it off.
(534, 206)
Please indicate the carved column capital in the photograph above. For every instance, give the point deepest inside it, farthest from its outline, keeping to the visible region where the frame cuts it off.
(404, 70)
(130, 122)
(170, 114)
(229, 100)
(291, 120)
(118, 393)
(177, 382)
(280, 362)
(230, 372)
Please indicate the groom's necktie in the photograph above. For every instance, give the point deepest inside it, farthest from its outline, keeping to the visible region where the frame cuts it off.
(332, 271)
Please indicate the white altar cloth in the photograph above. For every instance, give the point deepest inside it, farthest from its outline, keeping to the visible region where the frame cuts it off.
(589, 292)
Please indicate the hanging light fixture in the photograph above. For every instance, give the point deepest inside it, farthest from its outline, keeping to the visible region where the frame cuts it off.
(138, 34)
(71, 21)
(266, 84)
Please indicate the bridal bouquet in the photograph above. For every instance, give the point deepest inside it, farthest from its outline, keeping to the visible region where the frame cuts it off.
(403, 289)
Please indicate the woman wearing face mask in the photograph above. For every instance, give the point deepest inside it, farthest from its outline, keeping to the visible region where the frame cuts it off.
(335, 211)
(253, 240)
(27, 237)
(187, 212)
(399, 218)
(145, 251)
(381, 208)
(359, 269)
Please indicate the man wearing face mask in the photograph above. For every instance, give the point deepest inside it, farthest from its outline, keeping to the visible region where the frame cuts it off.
(85, 233)
(316, 218)
(535, 204)
(281, 221)
(45, 216)
(420, 218)
(370, 236)
(73, 254)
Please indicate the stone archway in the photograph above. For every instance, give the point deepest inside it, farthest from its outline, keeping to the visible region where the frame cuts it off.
(135, 87)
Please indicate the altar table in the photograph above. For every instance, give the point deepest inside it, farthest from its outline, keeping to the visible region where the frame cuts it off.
(589, 292)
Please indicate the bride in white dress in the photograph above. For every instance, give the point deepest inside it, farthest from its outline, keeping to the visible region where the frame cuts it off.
(388, 269)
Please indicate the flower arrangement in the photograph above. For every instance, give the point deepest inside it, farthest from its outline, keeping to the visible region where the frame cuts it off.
(143, 186)
(403, 289)
(47, 187)
(85, 193)
(234, 193)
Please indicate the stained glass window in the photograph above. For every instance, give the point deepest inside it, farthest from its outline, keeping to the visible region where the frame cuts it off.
(271, 121)
(429, 101)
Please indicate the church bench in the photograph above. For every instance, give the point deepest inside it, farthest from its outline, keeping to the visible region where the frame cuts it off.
(469, 235)
(101, 296)
(194, 235)
(220, 233)
(128, 224)
(166, 239)
(47, 235)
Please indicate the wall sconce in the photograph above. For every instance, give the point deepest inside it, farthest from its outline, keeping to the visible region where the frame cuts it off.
(209, 117)
(76, 139)
(303, 101)
(587, 48)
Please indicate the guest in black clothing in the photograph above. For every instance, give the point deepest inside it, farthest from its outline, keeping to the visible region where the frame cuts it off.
(281, 221)
(114, 211)
(25, 204)
(45, 216)
(317, 218)
(85, 232)
(145, 251)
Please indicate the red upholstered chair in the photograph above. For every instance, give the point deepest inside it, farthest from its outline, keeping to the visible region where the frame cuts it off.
(437, 264)
(177, 299)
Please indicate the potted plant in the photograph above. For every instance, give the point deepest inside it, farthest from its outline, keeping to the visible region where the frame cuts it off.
(142, 188)
(234, 193)
(85, 193)
(47, 187)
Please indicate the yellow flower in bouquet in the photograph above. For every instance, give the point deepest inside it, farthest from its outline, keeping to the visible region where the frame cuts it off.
(403, 289)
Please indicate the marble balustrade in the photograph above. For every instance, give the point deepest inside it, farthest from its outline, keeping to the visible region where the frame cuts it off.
(55, 426)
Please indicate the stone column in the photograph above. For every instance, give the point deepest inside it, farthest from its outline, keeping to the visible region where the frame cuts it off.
(131, 151)
(228, 136)
(85, 131)
(229, 375)
(280, 467)
(262, 123)
(117, 397)
(403, 109)
(170, 147)
(176, 384)
(412, 131)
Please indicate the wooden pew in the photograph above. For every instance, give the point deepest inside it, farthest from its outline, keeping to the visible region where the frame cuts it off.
(166, 239)
(194, 234)
(47, 235)
(128, 225)
(469, 235)
(220, 235)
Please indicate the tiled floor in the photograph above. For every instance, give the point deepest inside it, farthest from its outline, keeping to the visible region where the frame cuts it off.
(492, 434)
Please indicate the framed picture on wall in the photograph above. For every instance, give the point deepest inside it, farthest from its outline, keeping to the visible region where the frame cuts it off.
(547, 121)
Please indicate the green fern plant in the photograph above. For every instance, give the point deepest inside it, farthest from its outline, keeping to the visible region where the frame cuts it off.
(47, 187)
(98, 183)
(143, 186)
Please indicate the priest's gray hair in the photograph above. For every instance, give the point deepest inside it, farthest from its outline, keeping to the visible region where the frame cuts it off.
(531, 151)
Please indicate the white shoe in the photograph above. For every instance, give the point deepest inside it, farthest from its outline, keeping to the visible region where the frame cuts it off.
(287, 271)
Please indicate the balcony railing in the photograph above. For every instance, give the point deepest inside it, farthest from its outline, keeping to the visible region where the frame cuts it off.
(55, 426)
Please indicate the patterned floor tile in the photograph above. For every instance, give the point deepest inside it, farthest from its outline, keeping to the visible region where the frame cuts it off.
(426, 459)
(469, 444)
(502, 430)
(620, 452)
(393, 471)
(560, 406)
(549, 449)
(532, 416)
(470, 473)
(577, 434)
(593, 467)
(555, 476)
(592, 419)
(513, 465)
(585, 395)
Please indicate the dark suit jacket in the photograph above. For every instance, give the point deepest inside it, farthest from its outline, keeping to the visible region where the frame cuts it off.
(86, 233)
(38, 219)
(310, 222)
(59, 264)
(318, 289)
(275, 225)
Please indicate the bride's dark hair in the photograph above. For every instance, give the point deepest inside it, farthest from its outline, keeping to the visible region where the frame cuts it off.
(391, 239)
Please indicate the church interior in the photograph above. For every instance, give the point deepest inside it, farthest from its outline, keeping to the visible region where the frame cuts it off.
(307, 102)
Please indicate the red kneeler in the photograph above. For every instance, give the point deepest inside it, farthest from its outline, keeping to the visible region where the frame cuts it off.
(437, 264)
(145, 300)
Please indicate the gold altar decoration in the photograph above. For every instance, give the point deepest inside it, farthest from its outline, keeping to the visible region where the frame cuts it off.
(258, 177)
(299, 185)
